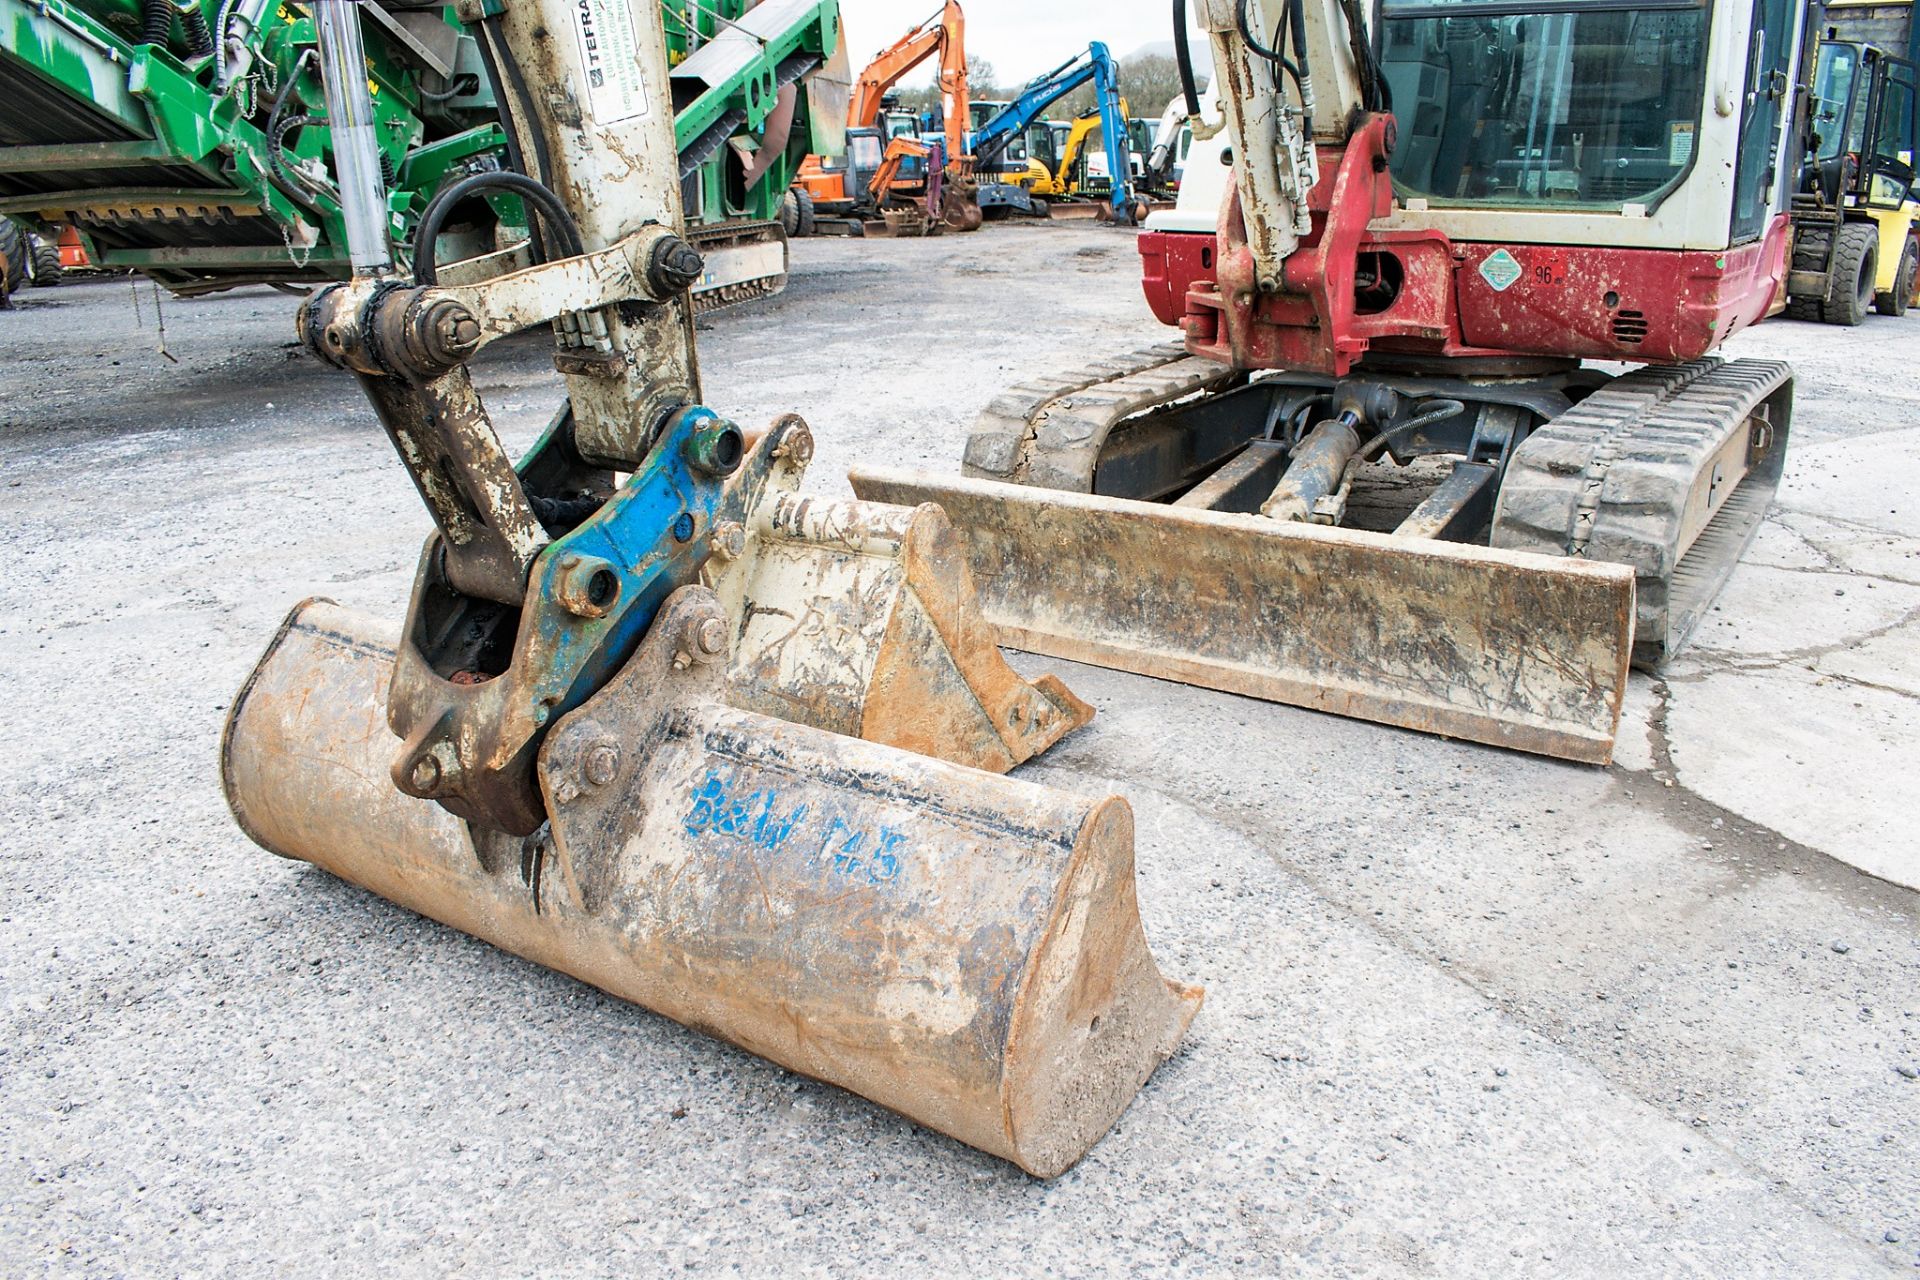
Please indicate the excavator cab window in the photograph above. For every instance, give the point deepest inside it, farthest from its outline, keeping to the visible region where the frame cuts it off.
(1040, 146)
(1594, 105)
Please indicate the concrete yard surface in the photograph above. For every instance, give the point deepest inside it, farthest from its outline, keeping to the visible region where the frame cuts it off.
(1469, 1013)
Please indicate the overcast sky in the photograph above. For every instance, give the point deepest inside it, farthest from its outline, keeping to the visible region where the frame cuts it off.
(1021, 38)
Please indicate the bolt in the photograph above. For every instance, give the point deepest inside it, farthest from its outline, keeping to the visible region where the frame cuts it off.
(729, 540)
(425, 775)
(683, 527)
(601, 764)
(709, 639)
(675, 267)
(447, 333)
(797, 445)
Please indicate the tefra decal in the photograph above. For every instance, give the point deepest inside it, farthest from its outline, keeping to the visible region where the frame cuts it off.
(609, 55)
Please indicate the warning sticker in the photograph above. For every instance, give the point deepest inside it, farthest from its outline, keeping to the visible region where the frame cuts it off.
(610, 56)
(1680, 143)
(1500, 270)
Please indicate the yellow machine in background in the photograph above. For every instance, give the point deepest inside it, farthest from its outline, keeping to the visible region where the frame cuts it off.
(1856, 214)
(1059, 172)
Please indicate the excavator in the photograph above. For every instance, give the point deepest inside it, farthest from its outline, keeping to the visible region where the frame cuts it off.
(1376, 475)
(991, 143)
(879, 171)
(654, 716)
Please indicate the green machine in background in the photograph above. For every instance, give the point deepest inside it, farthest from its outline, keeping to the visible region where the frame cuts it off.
(756, 89)
(187, 140)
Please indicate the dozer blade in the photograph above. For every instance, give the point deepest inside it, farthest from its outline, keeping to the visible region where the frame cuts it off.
(861, 619)
(962, 948)
(1514, 649)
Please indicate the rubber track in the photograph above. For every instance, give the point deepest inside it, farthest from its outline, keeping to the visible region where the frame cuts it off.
(1048, 431)
(1611, 478)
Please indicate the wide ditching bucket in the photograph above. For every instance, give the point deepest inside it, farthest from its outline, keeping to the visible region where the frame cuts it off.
(960, 947)
(1514, 649)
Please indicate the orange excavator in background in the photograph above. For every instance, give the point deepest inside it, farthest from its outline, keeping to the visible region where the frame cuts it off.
(887, 163)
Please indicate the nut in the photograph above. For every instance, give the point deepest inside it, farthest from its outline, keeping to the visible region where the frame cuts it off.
(729, 540)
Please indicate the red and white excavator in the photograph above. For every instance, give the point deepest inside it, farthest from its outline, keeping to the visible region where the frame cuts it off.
(1376, 475)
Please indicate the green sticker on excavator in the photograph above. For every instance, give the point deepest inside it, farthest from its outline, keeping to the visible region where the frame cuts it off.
(1500, 270)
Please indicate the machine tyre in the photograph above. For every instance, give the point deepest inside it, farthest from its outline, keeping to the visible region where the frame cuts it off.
(1855, 261)
(43, 261)
(806, 221)
(790, 213)
(13, 257)
(1896, 301)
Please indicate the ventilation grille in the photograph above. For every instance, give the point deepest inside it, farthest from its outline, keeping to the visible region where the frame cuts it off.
(1630, 327)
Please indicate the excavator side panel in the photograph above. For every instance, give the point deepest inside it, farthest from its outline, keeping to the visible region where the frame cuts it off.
(1513, 649)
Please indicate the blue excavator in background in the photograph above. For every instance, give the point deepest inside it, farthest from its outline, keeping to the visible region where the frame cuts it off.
(999, 148)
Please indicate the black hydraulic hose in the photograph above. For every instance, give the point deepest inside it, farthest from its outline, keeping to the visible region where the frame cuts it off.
(286, 179)
(1297, 18)
(516, 158)
(538, 197)
(1274, 56)
(1183, 59)
(456, 86)
(542, 161)
(1428, 413)
(1375, 93)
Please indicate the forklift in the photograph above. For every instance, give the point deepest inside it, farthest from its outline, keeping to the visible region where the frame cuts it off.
(1856, 214)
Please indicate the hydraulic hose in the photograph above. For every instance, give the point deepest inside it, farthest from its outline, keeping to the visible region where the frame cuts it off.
(541, 199)
(1183, 59)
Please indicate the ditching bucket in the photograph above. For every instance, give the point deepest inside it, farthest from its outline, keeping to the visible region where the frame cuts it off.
(1510, 648)
(960, 947)
(861, 618)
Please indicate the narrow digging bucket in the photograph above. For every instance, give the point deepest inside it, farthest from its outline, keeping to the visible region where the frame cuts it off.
(1508, 648)
(962, 948)
(861, 619)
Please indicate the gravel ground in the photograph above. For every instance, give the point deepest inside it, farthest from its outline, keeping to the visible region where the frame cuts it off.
(1469, 1012)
